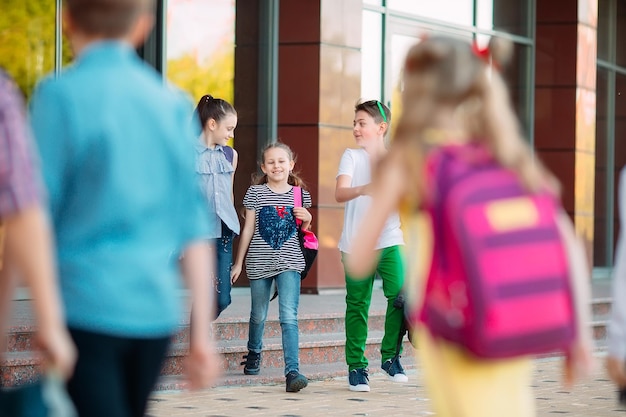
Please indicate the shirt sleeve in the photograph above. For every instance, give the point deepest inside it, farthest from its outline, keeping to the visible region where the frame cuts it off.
(250, 199)
(307, 201)
(346, 165)
(617, 323)
(19, 182)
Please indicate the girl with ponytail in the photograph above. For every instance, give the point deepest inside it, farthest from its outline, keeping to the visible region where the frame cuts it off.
(454, 98)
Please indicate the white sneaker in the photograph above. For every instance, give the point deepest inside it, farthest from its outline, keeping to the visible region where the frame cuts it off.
(359, 381)
(394, 370)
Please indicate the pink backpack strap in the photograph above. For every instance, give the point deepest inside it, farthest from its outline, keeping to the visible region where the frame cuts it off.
(297, 196)
(297, 200)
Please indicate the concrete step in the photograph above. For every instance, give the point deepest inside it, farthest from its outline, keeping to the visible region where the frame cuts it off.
(322, 340)
(314, 349)
(601, 313)
(21, 338)
(237, 328)
(314, 372)
(321, 355)
(19, 368)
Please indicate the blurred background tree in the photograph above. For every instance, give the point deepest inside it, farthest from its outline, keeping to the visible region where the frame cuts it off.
(214, 76)
(201, 50)
(27, 41)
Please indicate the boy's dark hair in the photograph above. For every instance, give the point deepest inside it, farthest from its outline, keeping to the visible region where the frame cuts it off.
(210, 107)
(376, 109)
(108, 18)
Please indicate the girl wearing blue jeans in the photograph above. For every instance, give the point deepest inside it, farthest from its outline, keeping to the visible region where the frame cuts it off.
(216, 164)
(269, 243)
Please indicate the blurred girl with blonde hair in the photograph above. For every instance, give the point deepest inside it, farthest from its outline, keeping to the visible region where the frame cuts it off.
(453, 95)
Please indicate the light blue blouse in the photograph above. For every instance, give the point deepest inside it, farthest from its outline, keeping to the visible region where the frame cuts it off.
(216, 182)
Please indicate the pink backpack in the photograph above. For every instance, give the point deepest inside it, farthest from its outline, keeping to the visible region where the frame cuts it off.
(499, 283)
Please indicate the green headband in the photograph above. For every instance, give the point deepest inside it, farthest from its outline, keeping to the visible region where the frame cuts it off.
(382, 111)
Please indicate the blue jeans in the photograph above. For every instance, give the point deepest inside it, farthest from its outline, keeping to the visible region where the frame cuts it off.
(224, 251)
(288, 284)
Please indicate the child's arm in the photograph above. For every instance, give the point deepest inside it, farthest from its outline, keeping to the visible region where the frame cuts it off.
(244, 243)
(344, 192)
(29, 249)
(617, 324)
(616, 357)
(203, 361)
(579, 361)
(387, 190)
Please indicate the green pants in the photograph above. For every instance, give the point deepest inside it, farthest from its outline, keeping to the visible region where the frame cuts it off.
(390, 268)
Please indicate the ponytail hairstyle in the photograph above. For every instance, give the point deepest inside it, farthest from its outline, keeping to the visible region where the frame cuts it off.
(294, 179)
(443, 72)
(210, 107)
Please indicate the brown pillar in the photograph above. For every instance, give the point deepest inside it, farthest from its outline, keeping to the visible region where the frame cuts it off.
(319, 82)
(565, 102)
(246, 103)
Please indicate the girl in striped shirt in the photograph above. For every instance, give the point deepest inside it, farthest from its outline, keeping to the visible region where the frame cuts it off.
(269, 243)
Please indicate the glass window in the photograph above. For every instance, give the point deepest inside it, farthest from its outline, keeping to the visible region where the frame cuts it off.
(620, 144)
(511, 16)
(517, 76)
(374, 2)
(460, 12)
(371, 56)
(620, 28)
(27, 40)
(400, 45)
(201, 54)
(604, 29)
(600, 210)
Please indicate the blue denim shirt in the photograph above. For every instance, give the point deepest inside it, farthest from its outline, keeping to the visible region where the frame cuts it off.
(216, 182)
(117, 159)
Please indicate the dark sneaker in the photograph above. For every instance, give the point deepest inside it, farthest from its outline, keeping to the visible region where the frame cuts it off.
(252, 363)
(394, 370)
(359, 380)
(296, 381)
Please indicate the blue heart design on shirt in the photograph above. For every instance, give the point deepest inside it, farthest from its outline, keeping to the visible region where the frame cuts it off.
(276, 225)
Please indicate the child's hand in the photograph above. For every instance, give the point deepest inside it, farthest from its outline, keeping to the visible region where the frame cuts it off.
(235, 271)
(578, 363)
(303, 215)
(616, 371)
(58, 348)
(203, 365)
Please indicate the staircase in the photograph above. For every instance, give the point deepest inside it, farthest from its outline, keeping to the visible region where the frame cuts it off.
(322, 339)
(601, 309)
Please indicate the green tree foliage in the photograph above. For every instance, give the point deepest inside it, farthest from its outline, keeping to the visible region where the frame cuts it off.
(215, 77)
(27, 43)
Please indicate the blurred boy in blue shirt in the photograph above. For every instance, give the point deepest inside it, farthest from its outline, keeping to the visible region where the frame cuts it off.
(117, 158)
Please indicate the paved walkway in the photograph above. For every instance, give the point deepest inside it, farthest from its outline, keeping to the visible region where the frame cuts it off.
(594, 397)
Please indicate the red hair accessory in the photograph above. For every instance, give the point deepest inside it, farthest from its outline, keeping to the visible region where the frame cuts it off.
(482, 53)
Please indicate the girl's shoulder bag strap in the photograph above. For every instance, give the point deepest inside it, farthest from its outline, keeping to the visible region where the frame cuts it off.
(297, 200)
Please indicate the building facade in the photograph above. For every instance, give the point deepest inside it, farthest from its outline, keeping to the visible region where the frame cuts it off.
(295, 69)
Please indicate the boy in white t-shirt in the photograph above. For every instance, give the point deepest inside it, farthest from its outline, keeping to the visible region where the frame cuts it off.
(371, 124)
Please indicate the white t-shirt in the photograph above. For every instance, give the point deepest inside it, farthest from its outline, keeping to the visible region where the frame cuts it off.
(356, 164)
